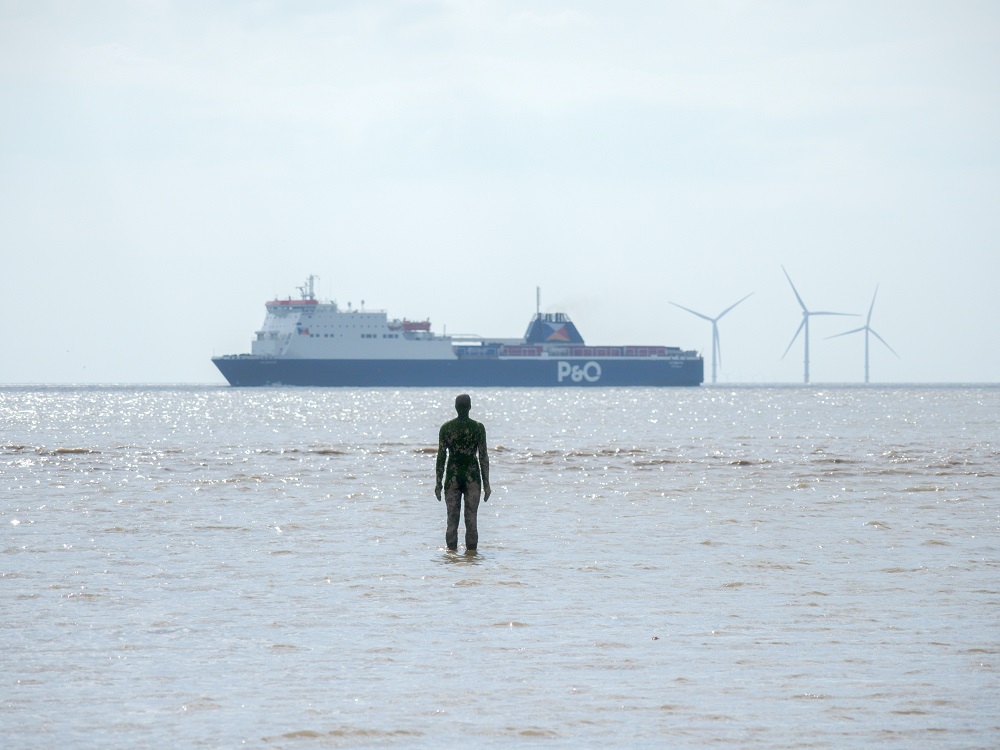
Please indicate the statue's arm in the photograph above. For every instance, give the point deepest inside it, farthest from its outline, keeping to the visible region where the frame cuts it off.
(442, 455)
(484, 462)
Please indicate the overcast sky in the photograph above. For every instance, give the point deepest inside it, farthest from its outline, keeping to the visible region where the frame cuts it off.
(167, 167)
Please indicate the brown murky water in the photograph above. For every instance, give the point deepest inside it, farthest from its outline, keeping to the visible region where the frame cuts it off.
(749, 567)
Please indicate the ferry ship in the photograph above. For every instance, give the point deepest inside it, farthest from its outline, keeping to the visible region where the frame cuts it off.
(306, 342)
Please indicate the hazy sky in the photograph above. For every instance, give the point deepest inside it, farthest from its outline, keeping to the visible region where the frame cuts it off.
(167, 167)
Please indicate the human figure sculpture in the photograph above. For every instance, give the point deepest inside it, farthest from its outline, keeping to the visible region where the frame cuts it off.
(463, 472)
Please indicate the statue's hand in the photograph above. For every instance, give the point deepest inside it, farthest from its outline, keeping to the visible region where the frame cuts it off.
(437, 492)
(486, 493)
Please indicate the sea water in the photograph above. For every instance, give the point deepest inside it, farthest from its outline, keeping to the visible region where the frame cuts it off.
(774, 567)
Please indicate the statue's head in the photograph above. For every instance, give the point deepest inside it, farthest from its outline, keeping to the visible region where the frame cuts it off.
(463, 404)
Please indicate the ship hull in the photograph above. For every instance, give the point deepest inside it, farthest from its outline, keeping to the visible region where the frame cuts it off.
(534, 372)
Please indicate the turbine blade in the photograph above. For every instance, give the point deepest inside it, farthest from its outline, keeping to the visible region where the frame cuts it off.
(869, 321)
(797, 332)
(690, 311)
(801, 303)
(884, 342)
(718, 348)
(732, 306)
(853, 315)
(853, 330)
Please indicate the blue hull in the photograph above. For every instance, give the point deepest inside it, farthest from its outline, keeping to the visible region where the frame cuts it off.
(540, 372)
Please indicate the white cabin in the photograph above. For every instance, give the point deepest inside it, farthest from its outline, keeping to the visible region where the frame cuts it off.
(308, 329)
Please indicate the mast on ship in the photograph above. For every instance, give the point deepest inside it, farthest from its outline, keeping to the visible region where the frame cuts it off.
(307, 290)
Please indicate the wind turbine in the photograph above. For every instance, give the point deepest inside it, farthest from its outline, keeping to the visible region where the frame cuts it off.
(716, 349)
(867, 328)
(806, 313)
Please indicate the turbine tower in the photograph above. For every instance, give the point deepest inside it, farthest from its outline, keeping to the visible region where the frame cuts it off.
(806, 314)
(867, 328)
(716, 349)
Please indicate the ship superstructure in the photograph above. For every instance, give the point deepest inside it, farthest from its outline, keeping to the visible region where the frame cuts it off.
(307, 342)
(308, 329)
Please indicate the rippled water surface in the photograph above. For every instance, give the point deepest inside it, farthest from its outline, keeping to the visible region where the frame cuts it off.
(752, 567)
